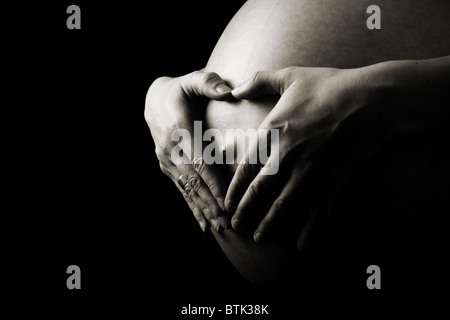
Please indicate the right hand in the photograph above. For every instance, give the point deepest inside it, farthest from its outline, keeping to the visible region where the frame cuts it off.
(175, 103)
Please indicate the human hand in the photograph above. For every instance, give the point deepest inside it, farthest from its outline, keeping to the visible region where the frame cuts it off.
(175, 103)
(324, 115)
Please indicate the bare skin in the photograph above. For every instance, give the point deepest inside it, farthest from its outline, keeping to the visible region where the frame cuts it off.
(339, 63)
(315, 103)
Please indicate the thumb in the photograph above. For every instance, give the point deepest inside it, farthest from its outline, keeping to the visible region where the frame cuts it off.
(262, 82)
(208, 84)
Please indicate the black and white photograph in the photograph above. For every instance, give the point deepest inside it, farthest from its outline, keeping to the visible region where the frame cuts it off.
(260, 159)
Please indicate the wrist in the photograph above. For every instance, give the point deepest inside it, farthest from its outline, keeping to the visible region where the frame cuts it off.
(381, 85)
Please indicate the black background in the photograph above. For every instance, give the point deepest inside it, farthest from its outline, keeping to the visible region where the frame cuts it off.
(90, 189)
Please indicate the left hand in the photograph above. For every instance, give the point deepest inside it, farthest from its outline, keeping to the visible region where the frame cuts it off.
(321, 112)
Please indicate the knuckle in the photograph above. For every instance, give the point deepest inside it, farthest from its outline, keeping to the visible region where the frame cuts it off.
(282, 125)
(202, 206)
(209, 78)
(288, 72)
(194, 182)
(260, 80)
(196, 73)
(196, 82)
(174, 128)
(256, 77)
(178, 131)
(271, 124)
(256, 80)
(248, 169)
(279, 204)
(153, 96)
(158, 81)
(189, 191)
(255, 187)
(164, 170)
(160, 155)
(150, 92)
(164, 151)
(212, 185)
(285, 77)
(244, 169)
(187, 197)
(198, 164)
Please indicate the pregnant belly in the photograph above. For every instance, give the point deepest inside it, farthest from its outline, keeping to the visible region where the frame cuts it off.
(268, 35)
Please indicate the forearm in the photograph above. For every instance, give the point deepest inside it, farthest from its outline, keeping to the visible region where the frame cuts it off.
(414, 94)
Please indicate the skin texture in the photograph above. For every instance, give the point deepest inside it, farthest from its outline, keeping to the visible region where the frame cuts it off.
(167, 102)
(271, 36)
(252, 42)
(368, 104)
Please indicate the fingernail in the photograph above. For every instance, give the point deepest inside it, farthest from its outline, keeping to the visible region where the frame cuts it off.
(257, 237)
(235, 224)
(223, 88)
(230, 206)
(221, 203)
(215, 224)
(223, 222)
(203, 225)
(236, 90)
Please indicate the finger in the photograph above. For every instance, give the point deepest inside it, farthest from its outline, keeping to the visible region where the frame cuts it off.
(172, 172)
(192, 149)
(248, 168)
(281, 205)
(198, 214)
(263, 82)
(262, 186)
(246, 209)
(209, 84)
(210, 173)
(214, 180)
(202, 196)
(207, 194)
